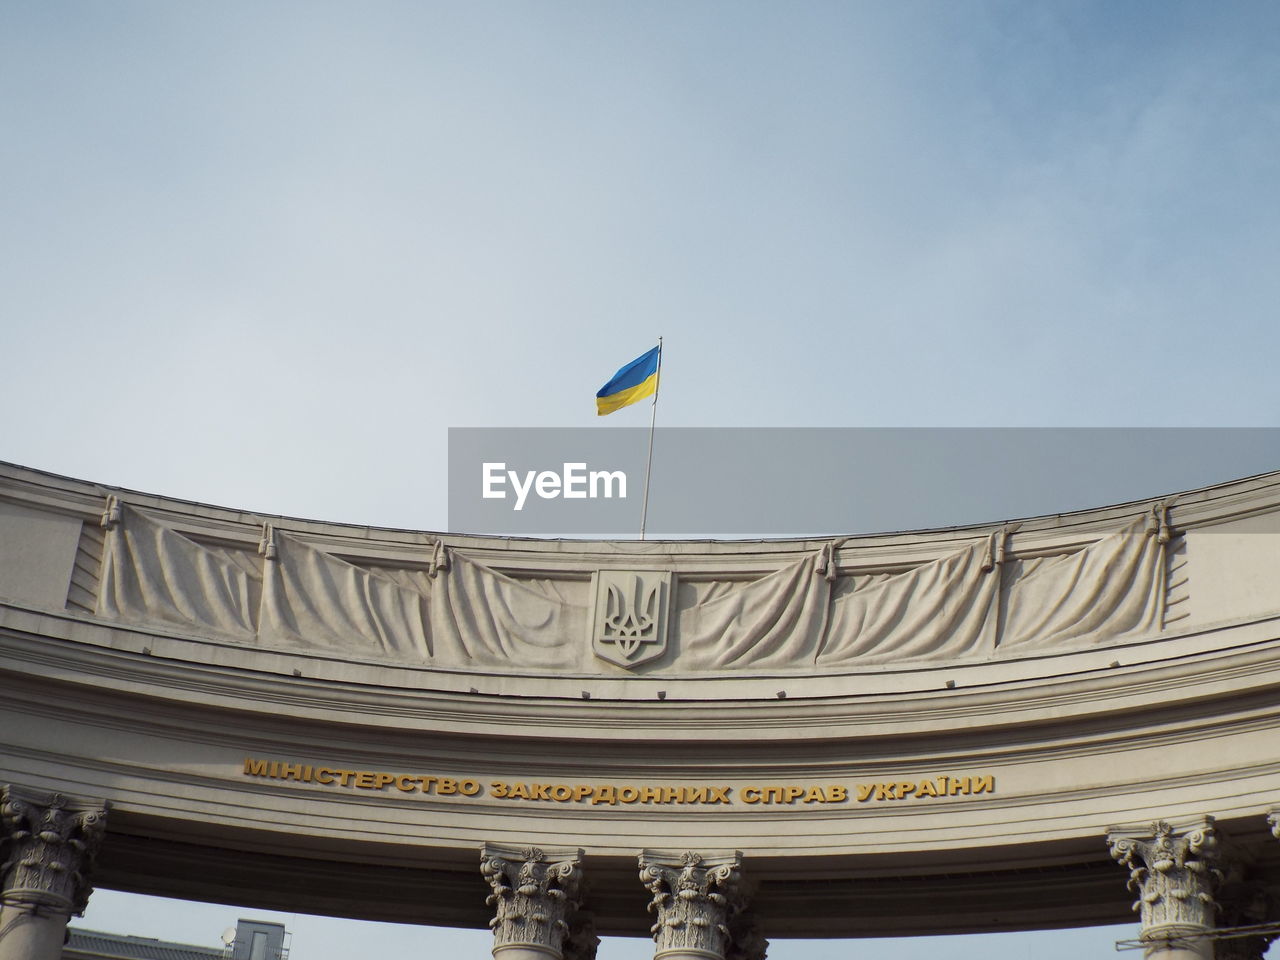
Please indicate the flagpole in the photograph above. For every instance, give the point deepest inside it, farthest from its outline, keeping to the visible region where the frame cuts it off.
(653, 419)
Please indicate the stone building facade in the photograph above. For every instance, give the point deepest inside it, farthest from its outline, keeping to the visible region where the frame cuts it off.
(1059, 721)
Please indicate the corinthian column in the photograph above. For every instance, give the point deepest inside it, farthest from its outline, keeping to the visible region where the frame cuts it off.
(535, 897)
(1176, 875)
(694, 898)
(48, 843)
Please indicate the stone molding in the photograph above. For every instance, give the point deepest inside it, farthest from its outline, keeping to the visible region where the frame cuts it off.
(1176, 873)
(695, 898)
(49, 841)
(536, 893)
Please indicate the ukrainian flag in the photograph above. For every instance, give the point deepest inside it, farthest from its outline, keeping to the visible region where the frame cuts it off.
(637, 380)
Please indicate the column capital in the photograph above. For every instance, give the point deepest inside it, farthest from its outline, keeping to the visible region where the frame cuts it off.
(49, 843)
(694, 898)
(1175, 872)
(535, 892)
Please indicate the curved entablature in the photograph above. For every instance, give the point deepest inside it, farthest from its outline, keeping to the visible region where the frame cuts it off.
(627, 617)
(863, 719)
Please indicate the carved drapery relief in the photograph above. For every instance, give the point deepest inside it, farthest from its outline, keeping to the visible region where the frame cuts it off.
(1112, 587)
(694, 901)
(535, 895)
(150, 572)
(312, 599)
(777, 620)
(481, 616)
(449, 609)
(49, 842)
(941, 609)
(1175, 874)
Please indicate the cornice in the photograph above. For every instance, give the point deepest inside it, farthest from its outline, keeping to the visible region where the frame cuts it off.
(986, 697)
(1193, 509)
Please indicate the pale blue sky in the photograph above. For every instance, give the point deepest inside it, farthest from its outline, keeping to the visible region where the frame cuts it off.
(328, 938)
(264, 254)
(298, 241)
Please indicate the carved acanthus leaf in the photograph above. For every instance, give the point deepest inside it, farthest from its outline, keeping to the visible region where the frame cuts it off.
(694, 899)
(534, 895)
(49, 844)
(1174, 874)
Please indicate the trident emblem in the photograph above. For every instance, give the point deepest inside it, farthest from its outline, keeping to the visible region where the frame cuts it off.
(631, 616)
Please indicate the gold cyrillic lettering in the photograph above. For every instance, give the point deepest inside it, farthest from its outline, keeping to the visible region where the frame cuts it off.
(365, 780)
(447, 787)
(838, 793)
(324, 775)
(255, 768)
(985, 784)
(925, 788)
(561, 792)
(719, 794)
(695, 794)
(497, 789)
(275, 769)
(791, 793)
(864, 791)
(407, 782)
(290, 771)
(959, 785)
(428, 784)
(885, 791)
(815, 795)
(773, 794)
(380, 780)
(344, 776)
(468, 788)
(628, 794)
(582, 790)
(650, 794)
(607, 795)
(519, 792)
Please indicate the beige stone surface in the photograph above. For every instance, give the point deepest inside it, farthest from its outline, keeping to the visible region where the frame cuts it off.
(949, 760)
(39, 551)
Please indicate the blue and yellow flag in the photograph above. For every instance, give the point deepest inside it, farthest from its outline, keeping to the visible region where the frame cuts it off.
(637, 380)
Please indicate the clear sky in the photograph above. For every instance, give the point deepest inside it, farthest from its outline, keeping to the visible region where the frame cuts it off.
(264, 254)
